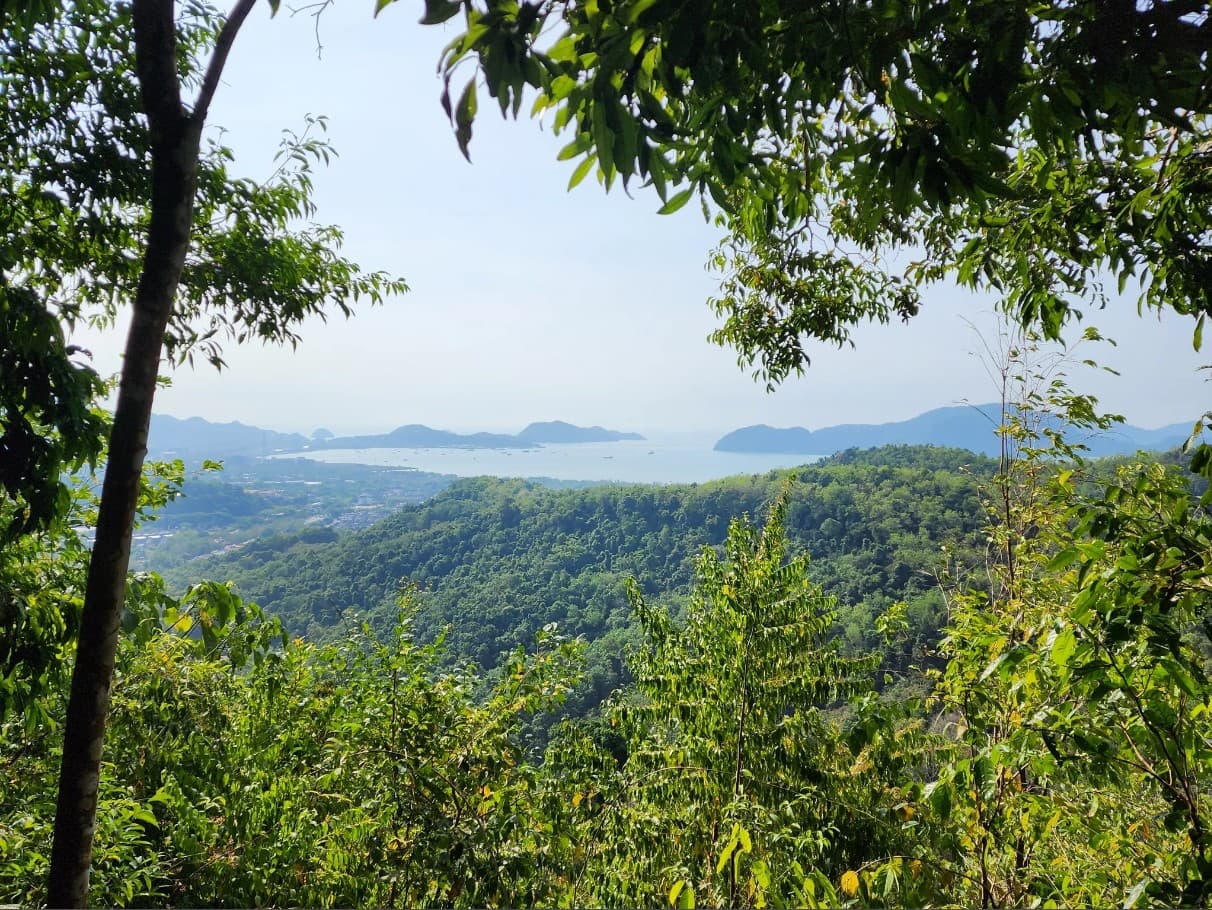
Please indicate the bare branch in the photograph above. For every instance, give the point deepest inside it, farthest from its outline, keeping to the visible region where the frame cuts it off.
(218, 59)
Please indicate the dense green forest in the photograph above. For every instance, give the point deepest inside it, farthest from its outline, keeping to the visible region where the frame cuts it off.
(747, 755)
(499, 559)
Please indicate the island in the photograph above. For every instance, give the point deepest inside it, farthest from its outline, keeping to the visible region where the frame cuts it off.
(419, 436)
(195, 438)
(560, 433)
(768, 440)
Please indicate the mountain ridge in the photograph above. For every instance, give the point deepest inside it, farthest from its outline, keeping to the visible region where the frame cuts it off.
(196, 437)
(964, 426)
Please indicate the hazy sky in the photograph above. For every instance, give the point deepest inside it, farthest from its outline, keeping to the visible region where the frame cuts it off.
(532, 303)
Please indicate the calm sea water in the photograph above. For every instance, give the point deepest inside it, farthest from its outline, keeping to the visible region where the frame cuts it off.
(669, 460)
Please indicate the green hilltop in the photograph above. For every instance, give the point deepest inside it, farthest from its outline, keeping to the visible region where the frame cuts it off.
(500, 559)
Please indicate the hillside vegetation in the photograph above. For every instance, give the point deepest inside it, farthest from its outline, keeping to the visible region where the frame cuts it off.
(1050, 749)
(500, 559)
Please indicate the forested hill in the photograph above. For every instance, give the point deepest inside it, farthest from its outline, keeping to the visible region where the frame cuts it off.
(504, 557)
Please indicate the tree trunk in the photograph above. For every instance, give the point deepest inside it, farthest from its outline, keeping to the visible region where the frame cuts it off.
(175, 141)
(174, 168)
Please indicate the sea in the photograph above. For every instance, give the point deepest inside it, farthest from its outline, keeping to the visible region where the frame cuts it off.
(682, 458)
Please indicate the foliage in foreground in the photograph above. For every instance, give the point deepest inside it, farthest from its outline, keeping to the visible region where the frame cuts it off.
(244, 769)
(1059, 758)
(1048, 154)
(733, 778)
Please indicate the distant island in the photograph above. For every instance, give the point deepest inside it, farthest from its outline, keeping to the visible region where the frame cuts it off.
(559, 432)
(555, 432)
(419, 436)
(967, 427)
(195, 438)
(767, 440)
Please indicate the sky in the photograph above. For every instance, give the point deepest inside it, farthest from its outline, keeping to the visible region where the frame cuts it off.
(528, 302)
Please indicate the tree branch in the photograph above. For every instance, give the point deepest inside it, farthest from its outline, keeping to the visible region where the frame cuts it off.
(218, 59)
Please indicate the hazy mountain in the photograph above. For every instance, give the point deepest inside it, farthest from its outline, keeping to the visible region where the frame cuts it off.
(968, 426)
(559, 432)
(195, 438)
(769, 440)
(416, 435)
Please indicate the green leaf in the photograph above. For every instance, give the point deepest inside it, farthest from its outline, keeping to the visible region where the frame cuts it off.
(681, 895)
(436, 11)
(726, 854)
(1201, 460)
(577, 147)
(145, 816)
(738, 843)
(465, 113)
(940, 800)
(761, 875)
(1063, 559)
(1063, 646)
(603, 140)
(992, 667)
(679, 200)
(579, 174)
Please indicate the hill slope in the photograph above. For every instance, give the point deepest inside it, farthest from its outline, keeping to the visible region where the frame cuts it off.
(502, 558)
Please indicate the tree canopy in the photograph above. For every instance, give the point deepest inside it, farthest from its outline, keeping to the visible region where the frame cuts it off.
(858, 151)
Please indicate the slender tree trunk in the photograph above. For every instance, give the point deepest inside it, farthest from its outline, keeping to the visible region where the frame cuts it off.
(84, 731)
(175, 141)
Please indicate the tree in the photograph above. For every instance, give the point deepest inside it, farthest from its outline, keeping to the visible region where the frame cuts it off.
(110, 197)
(729, 788)
(47, 420)
(1037, 150)
(1071, 728)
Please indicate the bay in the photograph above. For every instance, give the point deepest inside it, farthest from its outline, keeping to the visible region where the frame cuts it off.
(671, 459)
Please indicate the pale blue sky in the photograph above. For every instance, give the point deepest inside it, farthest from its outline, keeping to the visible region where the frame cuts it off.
(531, 303)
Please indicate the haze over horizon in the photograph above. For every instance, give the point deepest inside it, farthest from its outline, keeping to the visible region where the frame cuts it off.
(530, 303)
(652, 433)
